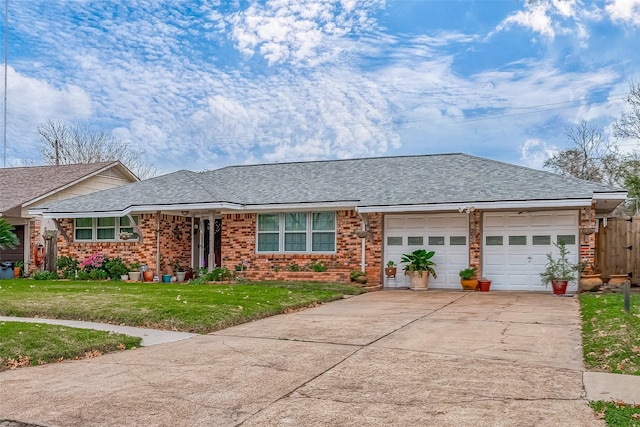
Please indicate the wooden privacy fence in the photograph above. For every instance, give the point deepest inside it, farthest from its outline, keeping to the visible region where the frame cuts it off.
(618, 247)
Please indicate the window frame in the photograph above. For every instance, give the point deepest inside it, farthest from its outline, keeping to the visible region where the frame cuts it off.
(117, 227)
(308, 231)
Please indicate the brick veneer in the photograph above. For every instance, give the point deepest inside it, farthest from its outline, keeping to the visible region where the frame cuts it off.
(239, 246)
(175, 243)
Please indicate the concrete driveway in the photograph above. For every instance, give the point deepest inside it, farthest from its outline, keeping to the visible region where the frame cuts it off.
(391, 358)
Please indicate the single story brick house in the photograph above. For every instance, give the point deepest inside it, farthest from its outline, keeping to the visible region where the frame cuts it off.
(22, 188)
(348, 214)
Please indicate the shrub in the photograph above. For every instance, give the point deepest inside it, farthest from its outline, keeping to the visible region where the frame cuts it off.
(67, 266)
(116, 268)
(95, 261)
(45, 275)
(318, 266)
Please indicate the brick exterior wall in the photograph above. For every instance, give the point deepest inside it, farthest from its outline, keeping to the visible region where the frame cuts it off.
(239, 246)
(175, 243)
(587, 242)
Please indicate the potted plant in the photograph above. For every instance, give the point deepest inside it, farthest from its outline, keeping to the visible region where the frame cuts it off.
(18, 266)
(590, 280)
(484, 284)
(467, 279)
(178, 270)
(559, 271)
(134, 271)
(391, 269)
(418, 266)
(147, 273)
(358, 276)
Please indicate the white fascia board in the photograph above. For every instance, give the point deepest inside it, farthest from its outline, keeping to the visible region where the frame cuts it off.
(520, 204)
(610, 196)
(297, 207)
(137, 209)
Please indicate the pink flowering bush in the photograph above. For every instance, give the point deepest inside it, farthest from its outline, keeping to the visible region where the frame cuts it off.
(95, 261)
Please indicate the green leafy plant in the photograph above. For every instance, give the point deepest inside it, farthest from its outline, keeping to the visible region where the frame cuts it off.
(355, 274)
(67, 267)
(559, 268)
(135, 266)
(294, 267)
(419, 260)
(8, 239)
(176, 266)
(116, 268)
(390, 264)
(468, 273)
(45, 275)
(98, 274)
(318, 266)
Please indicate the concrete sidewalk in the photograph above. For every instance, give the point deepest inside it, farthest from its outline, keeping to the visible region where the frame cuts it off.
(390, 358)
(149, 336)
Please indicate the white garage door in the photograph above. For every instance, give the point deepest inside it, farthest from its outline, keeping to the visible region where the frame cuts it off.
(515, 245)
(446, 234)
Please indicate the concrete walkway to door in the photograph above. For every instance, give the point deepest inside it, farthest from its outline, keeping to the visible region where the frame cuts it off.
(390, 358)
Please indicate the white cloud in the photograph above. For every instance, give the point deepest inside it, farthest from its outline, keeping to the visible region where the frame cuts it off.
(535, 17)
(624, 10)
(534, 152)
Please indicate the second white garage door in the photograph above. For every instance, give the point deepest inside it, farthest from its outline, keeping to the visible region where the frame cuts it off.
(446, 234)
(515, 245)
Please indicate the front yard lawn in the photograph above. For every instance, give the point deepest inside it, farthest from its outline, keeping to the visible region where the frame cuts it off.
(611, 343)
(179, 307)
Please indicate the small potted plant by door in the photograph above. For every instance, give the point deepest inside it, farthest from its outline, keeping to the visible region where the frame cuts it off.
(178, 270)
(559, 271)
(391, 269)
(358, 276)
(418, 266)
(17, 268)
(467, 279)
(134, 271)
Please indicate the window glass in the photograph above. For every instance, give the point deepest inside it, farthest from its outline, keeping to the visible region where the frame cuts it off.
(493, 240)
(517, 240)
(394, 241)
(84, 234)
(567, 239)
(324, 221)
(295, 242)
(295, 221)
(268, 222)
(541, 240)
(106, 233)
(415, 241)
(323, 242)
(126, 227)
(436, 240)
(268, 242)
(106, 222)
(458, 240)
(84, 222)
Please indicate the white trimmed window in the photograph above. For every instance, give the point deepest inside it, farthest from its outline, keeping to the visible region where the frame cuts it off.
(297, 232)
(103, 229)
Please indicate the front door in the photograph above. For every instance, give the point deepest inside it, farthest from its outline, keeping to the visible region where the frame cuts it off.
(211, 238)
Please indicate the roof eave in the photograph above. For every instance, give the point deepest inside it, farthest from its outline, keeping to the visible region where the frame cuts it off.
(507, 204)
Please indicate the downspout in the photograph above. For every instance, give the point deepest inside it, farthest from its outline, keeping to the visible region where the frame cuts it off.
(364, 233)
(158, 273)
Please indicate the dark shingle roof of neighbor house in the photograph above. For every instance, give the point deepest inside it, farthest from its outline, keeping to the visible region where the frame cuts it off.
(21, 185)
(384, 181)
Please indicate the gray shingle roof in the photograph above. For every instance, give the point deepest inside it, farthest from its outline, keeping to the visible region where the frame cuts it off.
(385, 181)
(23, 184)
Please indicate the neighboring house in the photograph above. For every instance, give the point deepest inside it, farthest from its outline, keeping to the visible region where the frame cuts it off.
(499, 217)
(22, 188)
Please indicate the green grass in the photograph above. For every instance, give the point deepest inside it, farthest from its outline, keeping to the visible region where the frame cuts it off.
(617, 415)
(611, 343)
(24, 344)
(611, 336)
(180, 307)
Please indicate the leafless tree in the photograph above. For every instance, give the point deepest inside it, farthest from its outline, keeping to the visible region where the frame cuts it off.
(590, 157)
(628, 124)
(64, 143)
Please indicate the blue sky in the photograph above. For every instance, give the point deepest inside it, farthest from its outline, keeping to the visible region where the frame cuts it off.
(204, 84)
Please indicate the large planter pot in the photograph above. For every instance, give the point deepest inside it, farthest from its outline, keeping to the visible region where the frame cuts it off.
(147, 275)
(484, 285)
(590, 282)
(419, 280)
(616, 280)
(180, 276)
(469, 284)
(135, 276)
(559, 286)
(16, 272)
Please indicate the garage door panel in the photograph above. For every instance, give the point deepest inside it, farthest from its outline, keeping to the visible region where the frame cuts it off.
(517, 266)
(446, 234)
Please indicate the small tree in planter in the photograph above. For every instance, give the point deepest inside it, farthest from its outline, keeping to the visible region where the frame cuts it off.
(559, 271)
(467, 279)
(418, 266)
